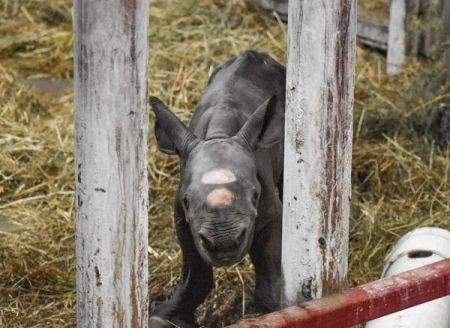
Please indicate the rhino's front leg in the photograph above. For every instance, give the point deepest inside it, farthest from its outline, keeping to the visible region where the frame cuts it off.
(266, 257)
(195, 283)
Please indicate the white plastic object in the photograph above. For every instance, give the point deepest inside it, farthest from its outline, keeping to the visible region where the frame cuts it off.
(417, 248)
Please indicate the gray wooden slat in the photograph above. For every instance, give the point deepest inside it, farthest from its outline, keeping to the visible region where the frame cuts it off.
(110, 82)
(374, 35)
(318, 145)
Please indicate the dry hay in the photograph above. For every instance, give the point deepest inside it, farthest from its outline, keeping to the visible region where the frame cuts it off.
(400, 178)
(374, 10)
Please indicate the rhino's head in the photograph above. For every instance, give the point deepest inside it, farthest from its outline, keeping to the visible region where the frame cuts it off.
(219, 188)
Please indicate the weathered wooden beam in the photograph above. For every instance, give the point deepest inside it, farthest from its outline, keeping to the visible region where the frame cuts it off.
(435, 26)
(446, 16)
(363, 303)
(374, 35)
(280, 6)
(397, 37)
(110, 80)
(318, 144)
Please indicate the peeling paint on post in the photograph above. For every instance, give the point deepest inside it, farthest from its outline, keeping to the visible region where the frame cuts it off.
(110, 77)
(318, 143)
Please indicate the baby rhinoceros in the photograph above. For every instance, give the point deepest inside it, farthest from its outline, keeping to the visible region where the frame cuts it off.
(229, 199)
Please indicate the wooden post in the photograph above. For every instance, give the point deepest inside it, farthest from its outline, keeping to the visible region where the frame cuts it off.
(110, 77)
(318, 145)
(397, 37)
(446, 16)
(412, 29)
(436, 25)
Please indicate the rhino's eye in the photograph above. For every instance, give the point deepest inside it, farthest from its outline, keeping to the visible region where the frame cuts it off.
(255, 197)
(186, 203)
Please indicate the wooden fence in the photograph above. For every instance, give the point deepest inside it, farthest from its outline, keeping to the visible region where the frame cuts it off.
(411, 28)
(414, 28)
(110, 75)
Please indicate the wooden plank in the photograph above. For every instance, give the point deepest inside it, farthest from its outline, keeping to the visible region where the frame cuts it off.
(318, 143)
(374, 35)
(446, 16)
(110, 81)
(397, 37)
(363, 303)
(280, 6)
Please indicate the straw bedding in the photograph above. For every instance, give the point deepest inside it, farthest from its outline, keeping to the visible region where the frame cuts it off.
(400, 176)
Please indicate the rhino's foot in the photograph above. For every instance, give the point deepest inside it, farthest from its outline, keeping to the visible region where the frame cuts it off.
(158, 322)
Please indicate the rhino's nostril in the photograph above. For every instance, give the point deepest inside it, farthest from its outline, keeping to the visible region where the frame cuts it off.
(207, 242)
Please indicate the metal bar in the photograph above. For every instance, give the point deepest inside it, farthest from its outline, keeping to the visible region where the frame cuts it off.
(363, 303)
(446, 15)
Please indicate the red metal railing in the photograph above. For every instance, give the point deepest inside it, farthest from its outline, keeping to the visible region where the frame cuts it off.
(363, 303)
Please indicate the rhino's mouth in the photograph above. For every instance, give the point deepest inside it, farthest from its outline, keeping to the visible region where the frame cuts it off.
(225, 257)
(218, 261)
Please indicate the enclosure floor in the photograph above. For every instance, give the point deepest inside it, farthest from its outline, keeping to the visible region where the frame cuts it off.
(376, 11)
(400, 177)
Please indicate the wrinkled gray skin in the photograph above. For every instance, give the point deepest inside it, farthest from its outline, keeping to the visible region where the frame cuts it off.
(238, 126)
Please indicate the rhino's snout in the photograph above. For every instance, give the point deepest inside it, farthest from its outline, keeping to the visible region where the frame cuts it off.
(224, 248)
(215, 245)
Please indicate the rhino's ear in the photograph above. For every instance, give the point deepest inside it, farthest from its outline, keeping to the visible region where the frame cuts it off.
(172, 135)
(255, 132)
